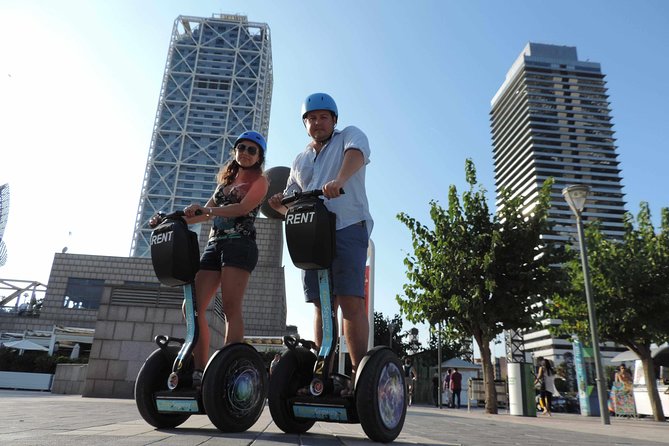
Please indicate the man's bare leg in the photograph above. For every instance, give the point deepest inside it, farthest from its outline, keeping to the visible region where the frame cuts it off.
(356, 327)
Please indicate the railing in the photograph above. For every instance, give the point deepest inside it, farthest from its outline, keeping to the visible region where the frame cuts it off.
(476, 393)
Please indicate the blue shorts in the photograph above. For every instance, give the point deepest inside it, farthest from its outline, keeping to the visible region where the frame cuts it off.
(347, 274)
(238, 252)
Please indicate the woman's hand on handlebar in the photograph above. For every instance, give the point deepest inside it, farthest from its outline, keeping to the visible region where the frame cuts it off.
(160, 217)
(275, 203)
(156, 219)
(194, 209)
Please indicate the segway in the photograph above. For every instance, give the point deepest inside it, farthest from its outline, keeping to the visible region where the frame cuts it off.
(234, 383)
(379, 400)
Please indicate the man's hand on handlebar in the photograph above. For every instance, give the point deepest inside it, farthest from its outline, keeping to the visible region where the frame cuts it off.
(332, 189)
(295, 196)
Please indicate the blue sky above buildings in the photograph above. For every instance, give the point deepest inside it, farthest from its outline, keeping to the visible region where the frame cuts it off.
(80, 82)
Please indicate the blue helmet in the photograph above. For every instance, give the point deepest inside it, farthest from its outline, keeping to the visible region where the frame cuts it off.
(253, 137)
(319, 101)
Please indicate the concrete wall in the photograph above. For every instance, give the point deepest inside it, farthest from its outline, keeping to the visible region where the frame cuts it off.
(25, 380)
(69, 379)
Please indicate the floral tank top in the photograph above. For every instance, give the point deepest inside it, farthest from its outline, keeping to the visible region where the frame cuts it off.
(233, 227)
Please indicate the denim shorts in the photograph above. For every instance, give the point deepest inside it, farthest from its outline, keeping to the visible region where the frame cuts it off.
(238, 252)
(347, 273)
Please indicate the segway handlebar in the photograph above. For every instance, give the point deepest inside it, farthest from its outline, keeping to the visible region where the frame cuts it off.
(171, 216)
(297, 195)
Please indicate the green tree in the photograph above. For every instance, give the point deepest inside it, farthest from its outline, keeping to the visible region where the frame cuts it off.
(479, 273)
(382, 335)
(402, 343)
(630, 282)
(452, 346)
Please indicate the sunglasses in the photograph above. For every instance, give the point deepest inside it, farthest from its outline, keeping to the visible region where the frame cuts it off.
(251, 150)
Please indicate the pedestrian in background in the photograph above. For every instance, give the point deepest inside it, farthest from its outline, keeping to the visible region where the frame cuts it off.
(456, 387)
(446, 387)
(624, 377)
(410, 377)
(274, 362)
(546, 379)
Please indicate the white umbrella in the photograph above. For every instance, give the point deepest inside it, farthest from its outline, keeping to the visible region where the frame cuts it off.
(25, 344)
(627, 355)
(75, 351)
(661, 352)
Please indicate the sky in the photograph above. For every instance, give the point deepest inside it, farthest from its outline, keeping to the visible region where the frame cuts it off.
(80, 82)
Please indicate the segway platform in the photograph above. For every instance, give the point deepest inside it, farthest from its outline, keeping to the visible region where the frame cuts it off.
(179, 401)
(336, 409)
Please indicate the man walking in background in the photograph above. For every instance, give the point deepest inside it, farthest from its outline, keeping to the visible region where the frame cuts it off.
(456, 387)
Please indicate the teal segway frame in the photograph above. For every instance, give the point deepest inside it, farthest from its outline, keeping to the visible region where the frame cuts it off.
(234, 383)
(379, 400)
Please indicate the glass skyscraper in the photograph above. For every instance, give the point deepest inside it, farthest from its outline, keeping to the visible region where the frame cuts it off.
(217, 84)
(552, 118)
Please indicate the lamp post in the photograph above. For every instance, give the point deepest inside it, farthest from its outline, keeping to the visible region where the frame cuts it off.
(413, 340)
(391, 332)
(576, 195)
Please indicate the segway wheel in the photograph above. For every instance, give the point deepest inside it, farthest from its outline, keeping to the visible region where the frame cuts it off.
(294, 371)
(234, 388)
(380, 395)
(152, 378)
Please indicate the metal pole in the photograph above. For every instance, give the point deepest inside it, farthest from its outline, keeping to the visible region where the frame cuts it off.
(439, 366)
(601, 383)
(343, 348)
(371, 253)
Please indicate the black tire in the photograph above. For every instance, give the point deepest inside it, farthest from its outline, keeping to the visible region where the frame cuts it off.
(152, 377)
(234, 388)
(381, 395)
(294, 370)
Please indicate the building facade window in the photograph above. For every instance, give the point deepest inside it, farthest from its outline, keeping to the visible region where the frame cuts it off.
(83, 294)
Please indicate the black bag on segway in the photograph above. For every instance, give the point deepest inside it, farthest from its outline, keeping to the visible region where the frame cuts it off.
(175, 252)
(310, 234)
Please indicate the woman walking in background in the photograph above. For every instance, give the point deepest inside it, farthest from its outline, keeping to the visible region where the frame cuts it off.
(546, 377)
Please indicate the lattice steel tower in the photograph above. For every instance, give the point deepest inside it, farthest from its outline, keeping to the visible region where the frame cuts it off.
(552, 118)
(217, 84)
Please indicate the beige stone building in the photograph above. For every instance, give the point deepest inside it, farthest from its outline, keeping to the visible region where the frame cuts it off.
(121, 299)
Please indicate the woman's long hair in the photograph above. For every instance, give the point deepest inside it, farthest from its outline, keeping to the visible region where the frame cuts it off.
(548, 368)
(229, 171)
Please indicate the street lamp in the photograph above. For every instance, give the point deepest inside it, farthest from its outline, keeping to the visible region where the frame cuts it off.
(391, 332)
(576, 195)
(413, 340)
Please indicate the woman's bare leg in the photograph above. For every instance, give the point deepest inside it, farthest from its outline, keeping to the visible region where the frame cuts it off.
(206, 283)
(233, 285)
